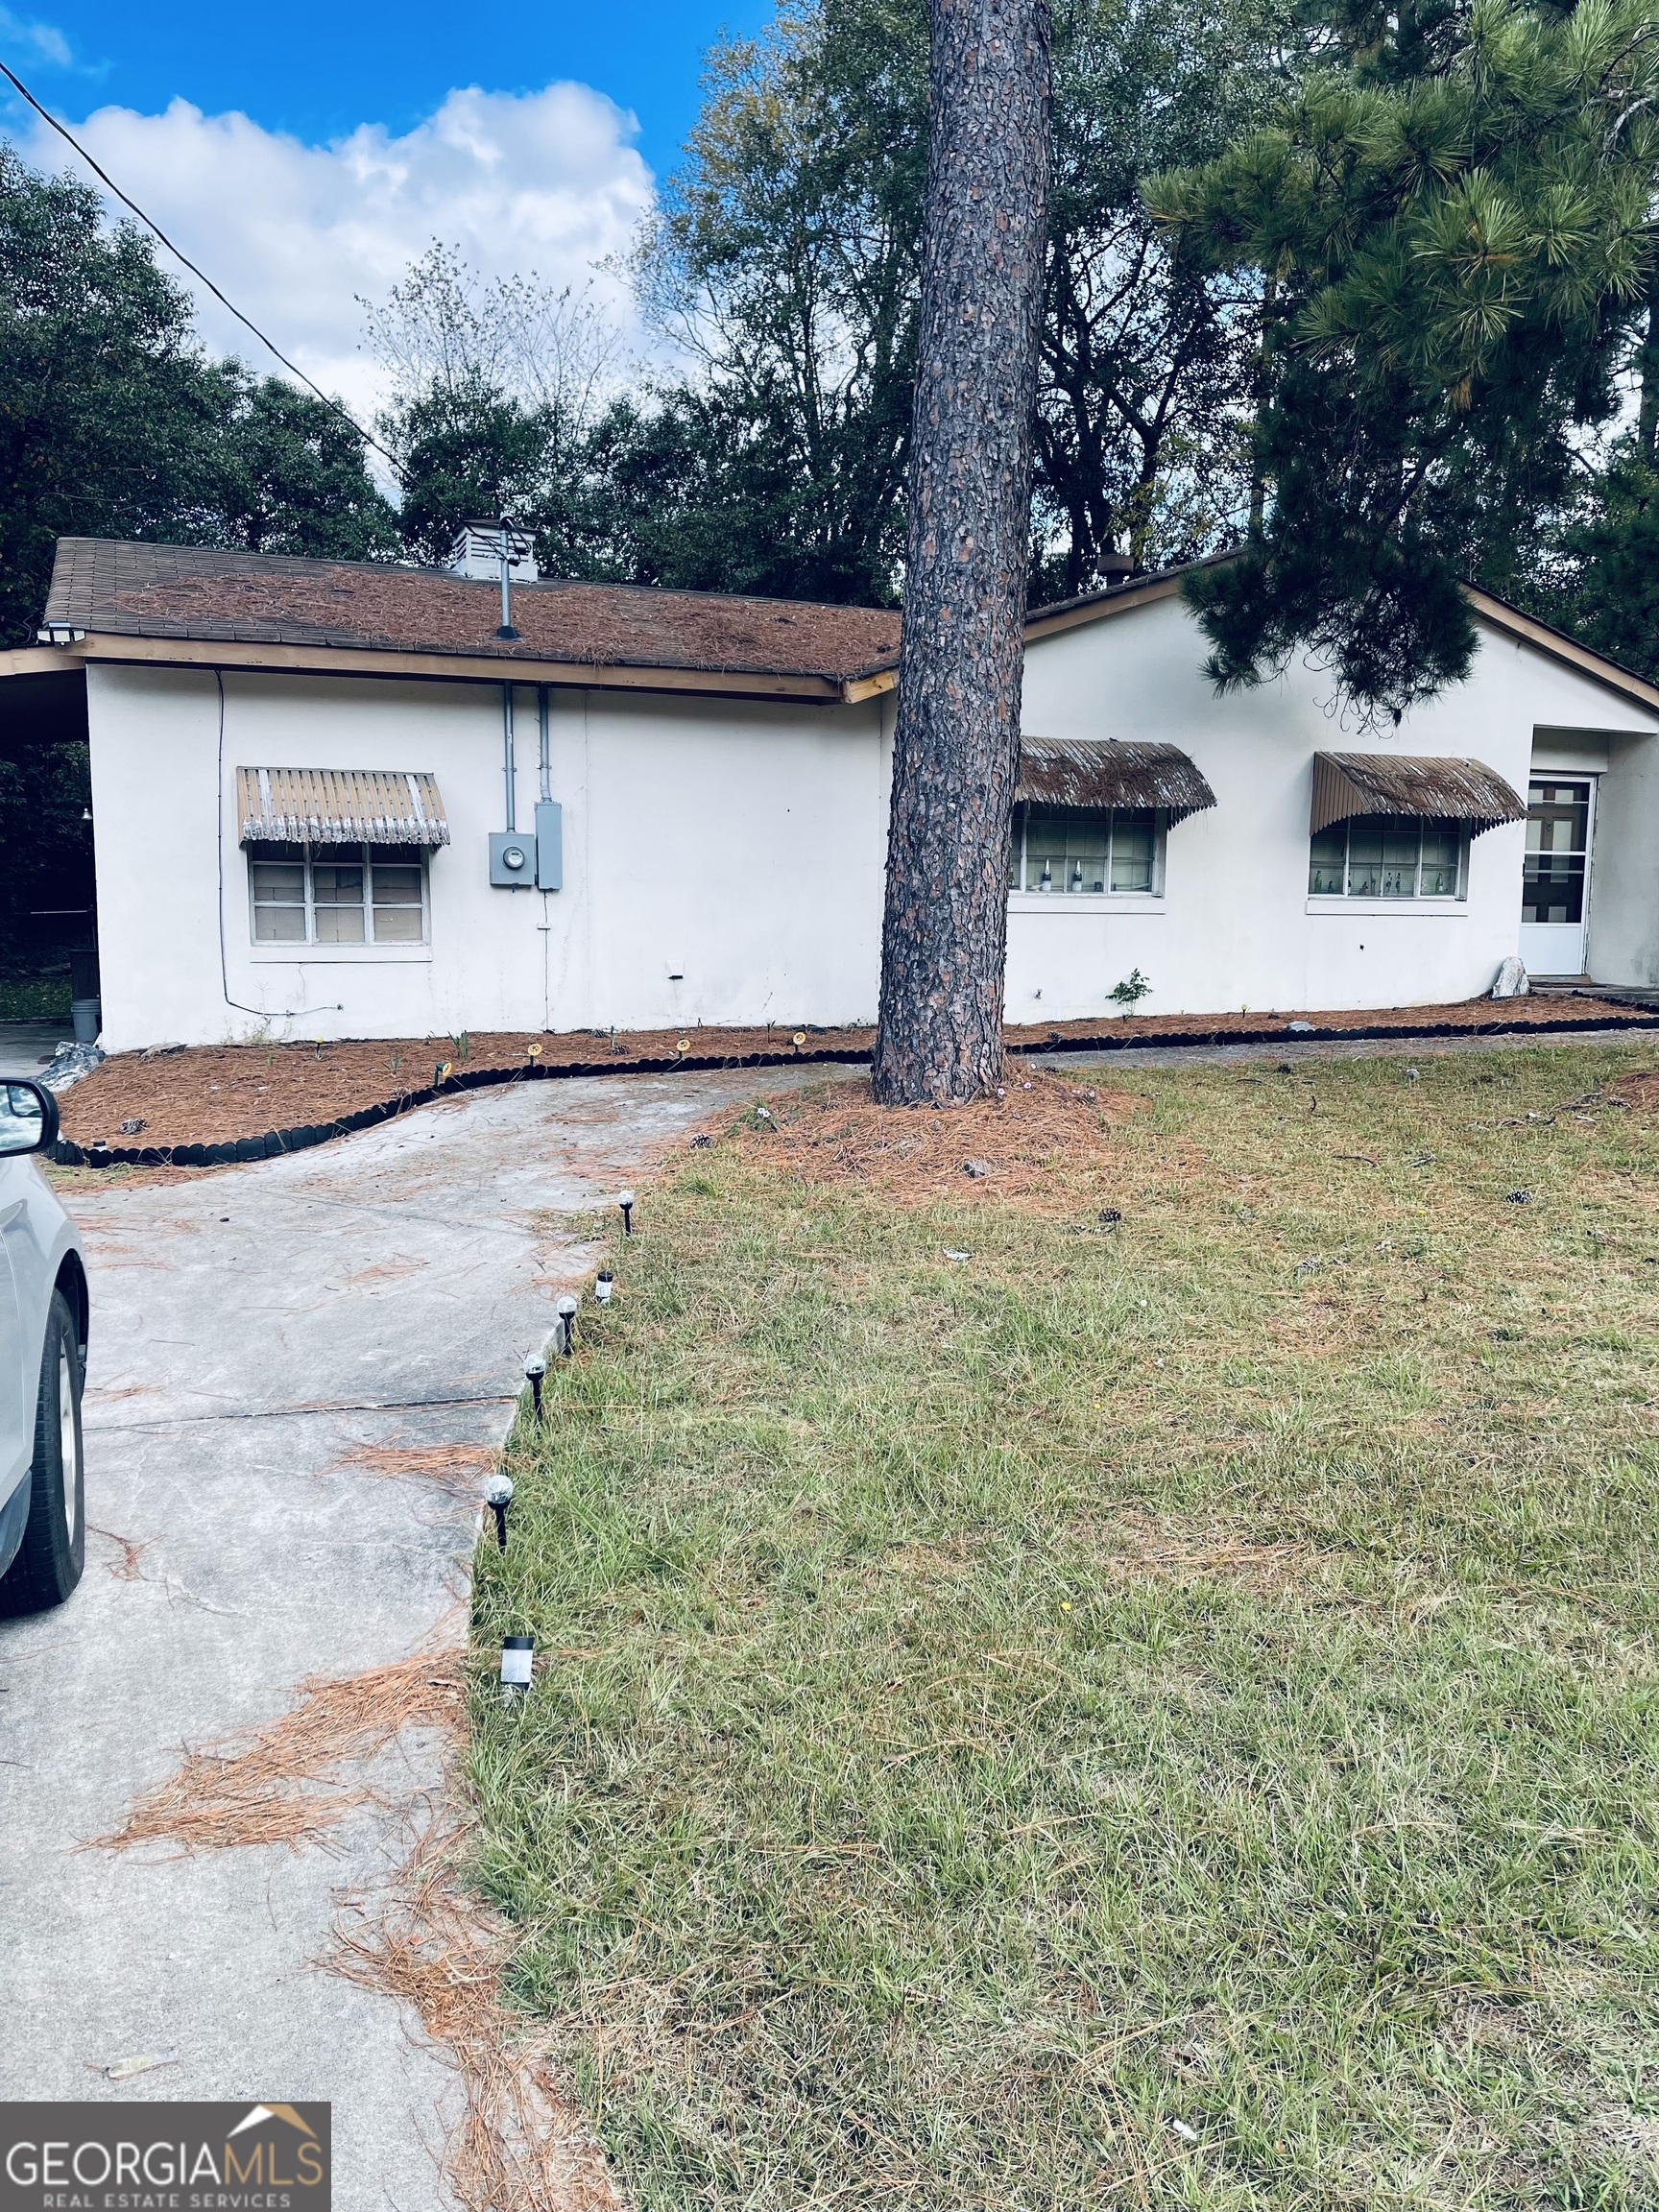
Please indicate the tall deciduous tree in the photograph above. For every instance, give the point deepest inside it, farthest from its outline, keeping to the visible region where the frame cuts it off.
(957, 747)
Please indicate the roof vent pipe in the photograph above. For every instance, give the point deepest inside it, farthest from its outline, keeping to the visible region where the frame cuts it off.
(506, 630)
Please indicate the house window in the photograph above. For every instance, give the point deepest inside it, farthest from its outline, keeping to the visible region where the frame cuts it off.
(1087, 850)
(1557, 852)
(1389, 857)
(337, 894)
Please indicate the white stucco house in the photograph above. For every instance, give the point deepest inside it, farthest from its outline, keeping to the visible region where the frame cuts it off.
(331, 799)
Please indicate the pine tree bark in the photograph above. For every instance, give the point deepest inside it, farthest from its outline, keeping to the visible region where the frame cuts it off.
(944, 940)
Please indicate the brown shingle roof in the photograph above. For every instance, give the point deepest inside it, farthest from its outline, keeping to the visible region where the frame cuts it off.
(191, 591)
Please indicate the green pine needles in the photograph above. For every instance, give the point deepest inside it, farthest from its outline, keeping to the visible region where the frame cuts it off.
(1453, 235)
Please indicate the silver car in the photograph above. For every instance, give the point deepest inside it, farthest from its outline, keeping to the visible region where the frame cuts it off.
(44, 1317)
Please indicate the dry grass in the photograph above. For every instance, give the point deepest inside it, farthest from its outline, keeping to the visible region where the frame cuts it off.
(282, 1784)
(1072, 1725)
(1030, 1145)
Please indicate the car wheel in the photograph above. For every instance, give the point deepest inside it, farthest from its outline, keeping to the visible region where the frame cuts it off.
(53, 1549)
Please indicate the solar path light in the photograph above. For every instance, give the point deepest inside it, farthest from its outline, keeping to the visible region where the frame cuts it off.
(498, 1496)
(625, 1199)
(566, 1312)
(517, 1663)
(535, 1367)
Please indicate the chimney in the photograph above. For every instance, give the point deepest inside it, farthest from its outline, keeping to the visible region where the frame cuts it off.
(477, 553)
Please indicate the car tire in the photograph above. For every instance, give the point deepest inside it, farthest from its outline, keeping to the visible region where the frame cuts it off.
(53, 1549)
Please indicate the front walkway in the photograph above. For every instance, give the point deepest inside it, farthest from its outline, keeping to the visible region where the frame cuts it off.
(252, 1329)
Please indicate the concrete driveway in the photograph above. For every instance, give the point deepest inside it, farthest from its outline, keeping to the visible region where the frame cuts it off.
(250, 1330)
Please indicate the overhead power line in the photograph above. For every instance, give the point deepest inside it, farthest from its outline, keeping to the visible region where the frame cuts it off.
(201, 275)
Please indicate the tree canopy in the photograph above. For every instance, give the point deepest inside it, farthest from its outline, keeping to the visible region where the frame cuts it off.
(115, 423)
(1452, 238)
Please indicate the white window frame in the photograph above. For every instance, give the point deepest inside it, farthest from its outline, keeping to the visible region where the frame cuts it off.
(369, 947)
(1416, 900)
(1061, 897)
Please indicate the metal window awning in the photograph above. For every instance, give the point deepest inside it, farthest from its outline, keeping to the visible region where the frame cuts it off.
(339, 806)
(1442, 788)
(1110, 772)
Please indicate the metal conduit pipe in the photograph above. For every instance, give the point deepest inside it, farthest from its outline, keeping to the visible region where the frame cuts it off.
(508, 766)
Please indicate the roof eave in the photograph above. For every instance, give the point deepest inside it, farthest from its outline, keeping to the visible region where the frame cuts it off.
(284, 659)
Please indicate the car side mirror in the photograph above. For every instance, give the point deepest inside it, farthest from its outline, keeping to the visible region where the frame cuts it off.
(28, 1118)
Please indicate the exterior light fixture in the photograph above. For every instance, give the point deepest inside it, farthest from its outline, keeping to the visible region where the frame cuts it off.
(625, 1199)
(517, 1664)
(566, 1312)
(535, 1367)
(498, 1496)
(604, 1285)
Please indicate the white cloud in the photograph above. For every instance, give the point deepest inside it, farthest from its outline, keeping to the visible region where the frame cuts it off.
(40, 42)
(544, 182)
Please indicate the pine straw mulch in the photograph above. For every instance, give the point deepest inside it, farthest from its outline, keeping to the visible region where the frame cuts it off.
(458, 1470)
(1025, 1144)
(1639, 1090)
(279, 1784)
(209, 1094)
(520, 2145)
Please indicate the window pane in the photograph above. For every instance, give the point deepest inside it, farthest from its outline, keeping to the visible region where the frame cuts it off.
(1552, 889)
(1326, 858)
(1069, 844)
(1442, 852)
(1402, 843)
(278, 925)
(339, 924)
(397, 924)
(278, 884)
(334, 885)
(1016, 835)
(1558, 818)
(1132, 841)
(397, 886)
(1364, 859)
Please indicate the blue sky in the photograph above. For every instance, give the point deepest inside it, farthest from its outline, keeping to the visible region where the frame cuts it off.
(305, 154)
(317, 71)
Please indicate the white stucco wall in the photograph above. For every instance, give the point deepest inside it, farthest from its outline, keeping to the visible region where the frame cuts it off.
(1235, 927)
(738, 846)
(740, 849)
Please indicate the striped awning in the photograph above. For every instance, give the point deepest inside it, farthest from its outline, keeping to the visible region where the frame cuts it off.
(1110, 772)
(1439, 787)
(339, 806)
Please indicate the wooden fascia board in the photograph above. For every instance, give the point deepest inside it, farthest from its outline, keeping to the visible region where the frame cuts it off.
(39, 660)
(1540, 635)
(1115, 602)
(448, 667)
(857, 689)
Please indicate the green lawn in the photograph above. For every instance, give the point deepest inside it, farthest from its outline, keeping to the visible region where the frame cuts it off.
(1153, 1716)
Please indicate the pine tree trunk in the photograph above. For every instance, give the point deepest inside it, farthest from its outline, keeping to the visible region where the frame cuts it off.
(944, 938)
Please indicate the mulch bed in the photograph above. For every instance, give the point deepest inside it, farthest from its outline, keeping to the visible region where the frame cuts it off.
(1006, 1148)
(215, 1094)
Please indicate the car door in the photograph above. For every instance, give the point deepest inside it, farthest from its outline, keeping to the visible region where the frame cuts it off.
(16, 1400)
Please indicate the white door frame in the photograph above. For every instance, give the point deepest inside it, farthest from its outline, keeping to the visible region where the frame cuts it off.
(1562, 947)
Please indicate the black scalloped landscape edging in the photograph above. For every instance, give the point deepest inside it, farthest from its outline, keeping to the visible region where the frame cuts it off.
(274, 1142)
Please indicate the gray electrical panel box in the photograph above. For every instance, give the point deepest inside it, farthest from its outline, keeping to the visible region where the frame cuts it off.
(512, 861)
(549, 845)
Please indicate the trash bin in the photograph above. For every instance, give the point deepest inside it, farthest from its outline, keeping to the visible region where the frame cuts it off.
(88, 1019)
